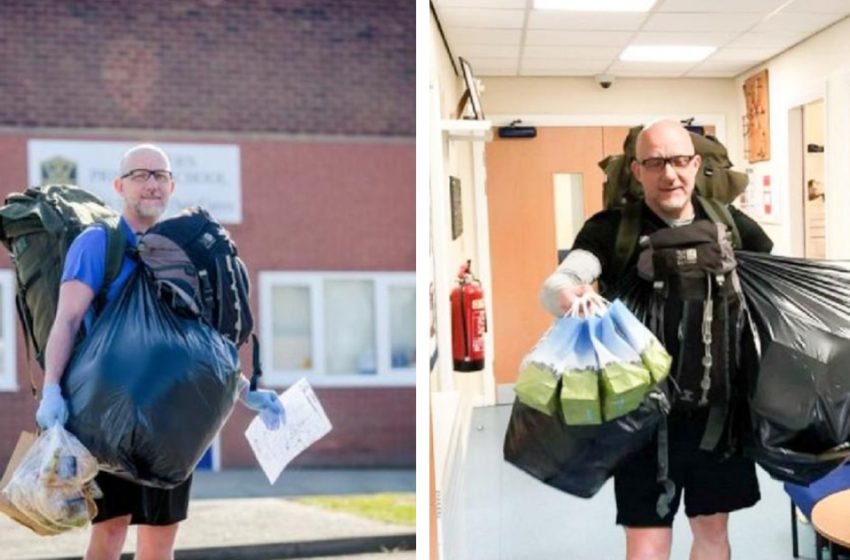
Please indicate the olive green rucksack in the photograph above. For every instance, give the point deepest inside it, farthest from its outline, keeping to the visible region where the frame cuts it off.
(715, 179)
(37, 226)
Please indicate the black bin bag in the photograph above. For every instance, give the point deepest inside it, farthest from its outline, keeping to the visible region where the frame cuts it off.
(578, 459)
(797, 361)
(147, 390)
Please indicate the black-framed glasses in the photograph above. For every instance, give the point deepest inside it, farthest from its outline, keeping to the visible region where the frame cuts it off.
(659, 163)
(142, 175)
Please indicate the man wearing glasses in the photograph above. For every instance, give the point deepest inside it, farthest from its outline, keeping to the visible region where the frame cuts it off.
(714, 482)
(146, 185)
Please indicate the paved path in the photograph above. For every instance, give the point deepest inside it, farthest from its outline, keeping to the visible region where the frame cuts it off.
(248, 523)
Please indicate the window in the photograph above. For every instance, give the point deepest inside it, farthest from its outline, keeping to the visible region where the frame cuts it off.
(338, 328)
(8, 374)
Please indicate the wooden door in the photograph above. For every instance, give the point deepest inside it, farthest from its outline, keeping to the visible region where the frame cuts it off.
(523, 252)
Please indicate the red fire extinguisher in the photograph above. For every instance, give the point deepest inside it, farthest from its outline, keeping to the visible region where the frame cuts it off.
(468, 321)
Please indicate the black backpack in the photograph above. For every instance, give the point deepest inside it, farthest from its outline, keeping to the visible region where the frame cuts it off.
(198, 272)
(715, 178)
(37, 226)
(696, 307)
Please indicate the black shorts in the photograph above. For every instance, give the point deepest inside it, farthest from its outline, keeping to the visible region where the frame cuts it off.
(146, 505)
(712, 483)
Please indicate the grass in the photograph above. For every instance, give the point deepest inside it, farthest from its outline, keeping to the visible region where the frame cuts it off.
(399, 509)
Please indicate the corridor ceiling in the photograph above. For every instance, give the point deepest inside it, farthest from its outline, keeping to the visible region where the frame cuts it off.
(511, 38)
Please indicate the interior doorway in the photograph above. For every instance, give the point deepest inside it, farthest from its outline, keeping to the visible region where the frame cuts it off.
(814, 196)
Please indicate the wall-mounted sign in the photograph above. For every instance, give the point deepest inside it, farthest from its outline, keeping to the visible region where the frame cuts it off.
(206, 175)
(767, 196)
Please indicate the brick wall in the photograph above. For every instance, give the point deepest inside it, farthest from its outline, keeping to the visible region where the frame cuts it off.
(308, 66)
(306, 206)
(371, 427)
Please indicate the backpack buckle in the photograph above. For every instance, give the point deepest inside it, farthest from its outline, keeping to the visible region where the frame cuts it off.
(686, 257)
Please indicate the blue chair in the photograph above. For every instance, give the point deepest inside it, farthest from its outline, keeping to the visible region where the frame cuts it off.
(805, 498)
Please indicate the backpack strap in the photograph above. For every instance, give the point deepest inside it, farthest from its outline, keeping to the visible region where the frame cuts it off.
(116, 247)
(627, 236)
(719, 214)
(255, 360)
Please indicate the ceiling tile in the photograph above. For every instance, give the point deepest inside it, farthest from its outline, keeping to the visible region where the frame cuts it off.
(710, 74)
(819, 6)
(541, 64)
(701, 22)
(584, 21)
(719, 6)
(735, 67)
(797, 22)
(620, 68)
(566, 71)
(484, 65)
(480, 17)
(497, 72)
(714, 39)
(471, 36)
(516, 4)
(489, 51)
(650, 73)
(545, 37)
(775, 39)
(741, 55)
(589, 53)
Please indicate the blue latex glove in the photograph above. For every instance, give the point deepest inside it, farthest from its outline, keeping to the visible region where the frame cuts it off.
(268, 405)
(52, 408)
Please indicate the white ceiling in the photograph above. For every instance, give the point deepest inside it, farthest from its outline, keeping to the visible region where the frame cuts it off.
(509, 38)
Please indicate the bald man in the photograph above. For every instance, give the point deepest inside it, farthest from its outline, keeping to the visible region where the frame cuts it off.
(714, 483)
(145, 184)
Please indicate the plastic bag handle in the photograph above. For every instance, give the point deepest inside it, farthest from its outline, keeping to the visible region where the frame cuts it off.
(587, 304)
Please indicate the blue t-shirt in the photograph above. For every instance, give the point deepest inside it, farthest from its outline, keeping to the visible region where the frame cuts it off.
(86, 262)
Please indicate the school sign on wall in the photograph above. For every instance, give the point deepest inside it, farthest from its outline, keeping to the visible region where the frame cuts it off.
(206, 175)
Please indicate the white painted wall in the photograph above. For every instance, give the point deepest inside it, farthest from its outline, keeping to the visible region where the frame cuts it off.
(817, 68)
(583, 97)
(456, 159)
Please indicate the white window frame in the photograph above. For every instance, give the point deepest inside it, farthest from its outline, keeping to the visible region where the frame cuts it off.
(9, 375)
(314, 280)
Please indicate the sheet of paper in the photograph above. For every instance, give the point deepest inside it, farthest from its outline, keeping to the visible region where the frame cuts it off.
(306, 422)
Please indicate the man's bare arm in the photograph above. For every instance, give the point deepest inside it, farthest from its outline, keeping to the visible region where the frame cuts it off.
(75, 297)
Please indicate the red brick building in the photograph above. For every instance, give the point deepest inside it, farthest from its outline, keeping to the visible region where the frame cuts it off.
(316, 101)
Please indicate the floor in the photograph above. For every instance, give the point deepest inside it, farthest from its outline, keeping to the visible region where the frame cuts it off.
(508, 515)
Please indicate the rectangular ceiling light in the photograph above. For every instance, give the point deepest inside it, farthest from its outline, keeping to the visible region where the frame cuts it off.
(595, 5)
(666, 53)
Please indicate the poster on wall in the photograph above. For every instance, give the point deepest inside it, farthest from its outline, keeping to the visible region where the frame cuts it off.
(761, 198)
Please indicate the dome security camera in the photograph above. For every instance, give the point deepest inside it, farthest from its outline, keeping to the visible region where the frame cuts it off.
(604, 80)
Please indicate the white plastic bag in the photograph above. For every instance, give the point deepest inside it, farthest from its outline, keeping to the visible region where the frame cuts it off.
(555, 353)
(54, 485)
